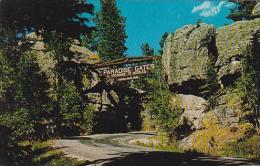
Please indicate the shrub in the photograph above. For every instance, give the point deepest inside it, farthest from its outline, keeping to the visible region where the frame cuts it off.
(71, 116)
(162, 105)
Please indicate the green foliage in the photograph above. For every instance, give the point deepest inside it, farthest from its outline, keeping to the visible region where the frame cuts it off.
(88, 120)
(70, 108)
(246, 87)
(46, 16)
(11, 153)
(32, 108)
(25, 105)
(5, 77)
(198, 22)
(73, 117)
(20, 122)
(43, 153)
(163, 106)
(162, 41)
(242, 11)
(110, 32)
(147, 50)
(211, 86)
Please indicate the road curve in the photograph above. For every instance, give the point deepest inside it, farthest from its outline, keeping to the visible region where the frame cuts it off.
(114, 150)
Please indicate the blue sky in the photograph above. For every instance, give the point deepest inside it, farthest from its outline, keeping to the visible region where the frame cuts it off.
(147, 20)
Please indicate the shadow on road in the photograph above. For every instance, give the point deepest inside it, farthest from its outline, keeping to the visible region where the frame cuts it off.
(170, 159)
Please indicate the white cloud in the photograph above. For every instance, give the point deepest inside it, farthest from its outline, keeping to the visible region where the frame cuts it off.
(204, 6)
(209, 9)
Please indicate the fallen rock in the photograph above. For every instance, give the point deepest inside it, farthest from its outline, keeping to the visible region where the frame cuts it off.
(194, 110)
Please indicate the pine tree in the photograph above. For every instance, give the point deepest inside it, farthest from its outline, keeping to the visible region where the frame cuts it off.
(110, 31)
(147, 50)
(242, 11)
(211, 86)
(162, 41)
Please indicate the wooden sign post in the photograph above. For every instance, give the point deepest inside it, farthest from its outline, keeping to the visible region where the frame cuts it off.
(127, 68)
(127, 73)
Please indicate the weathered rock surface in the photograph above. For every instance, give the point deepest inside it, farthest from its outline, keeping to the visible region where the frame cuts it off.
(194, 108)
(187, 53)
(233, 43)
(99, 98)
(256, 11)
(88, 56)
(186, 56)
(91, 79)
(102, 101)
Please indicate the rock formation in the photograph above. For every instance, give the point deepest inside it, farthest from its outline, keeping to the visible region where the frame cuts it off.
(234, 42)
(256, 11)
(105, 97)
(186, 58)
(187, 54)
(97, 97)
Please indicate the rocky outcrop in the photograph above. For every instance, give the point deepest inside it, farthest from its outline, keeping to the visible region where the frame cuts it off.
(234, 42)
(195, 109)
(99, 92)
(88, 56)
(186, 56)
(256, 11)
(103, 100)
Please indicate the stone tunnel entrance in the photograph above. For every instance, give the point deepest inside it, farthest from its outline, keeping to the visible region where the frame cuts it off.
(117, 105)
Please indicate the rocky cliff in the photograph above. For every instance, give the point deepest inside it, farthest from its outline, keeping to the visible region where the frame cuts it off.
(234, 51)
(97, 97)
(104, 96)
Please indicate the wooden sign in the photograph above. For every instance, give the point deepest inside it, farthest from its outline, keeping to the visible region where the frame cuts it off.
(127, 73)
(128, 68)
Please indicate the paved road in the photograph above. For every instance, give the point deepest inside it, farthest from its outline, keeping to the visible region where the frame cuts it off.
(113, 150)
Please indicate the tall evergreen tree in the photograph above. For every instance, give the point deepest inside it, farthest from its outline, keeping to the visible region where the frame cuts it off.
(147, 50)
(211, 86)
(162, 41)
(110, 31)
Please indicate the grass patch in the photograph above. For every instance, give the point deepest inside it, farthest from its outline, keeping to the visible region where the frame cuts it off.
(246, 148)
(160, 142)
(43, 154)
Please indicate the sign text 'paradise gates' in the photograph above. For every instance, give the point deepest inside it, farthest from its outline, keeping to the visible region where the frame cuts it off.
(127, 73)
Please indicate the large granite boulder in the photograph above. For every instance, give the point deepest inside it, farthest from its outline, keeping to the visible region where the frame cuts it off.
(194, 110)
(235, 42)
(186, 56)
